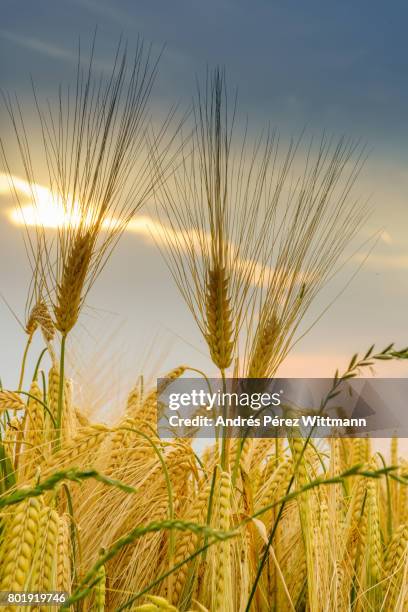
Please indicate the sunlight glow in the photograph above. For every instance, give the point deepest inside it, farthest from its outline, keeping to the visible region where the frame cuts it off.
(48, 211)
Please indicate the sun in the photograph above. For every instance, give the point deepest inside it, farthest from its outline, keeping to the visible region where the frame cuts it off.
(43, 207)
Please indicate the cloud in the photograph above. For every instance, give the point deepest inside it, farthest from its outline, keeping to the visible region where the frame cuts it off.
(50, 212)
(55, 52)
(39, 207)
(34, 44)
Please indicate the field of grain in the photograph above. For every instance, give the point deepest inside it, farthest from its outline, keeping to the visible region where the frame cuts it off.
(116, 517)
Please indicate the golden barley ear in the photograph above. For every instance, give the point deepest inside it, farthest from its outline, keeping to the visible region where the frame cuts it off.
(396, 565)
(223, 594)
(264, 348)
(63, 580)
(32, 323)
(10, 401)
(219, 334)
(213, 211)
(186, 543)
(18, 545)
(34, 447)
(70, 289)
(45, 321)
(44, 570)
(98, 158)
(40, 317)
(100, 590)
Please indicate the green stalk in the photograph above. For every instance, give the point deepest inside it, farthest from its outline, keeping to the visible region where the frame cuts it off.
(160, 579)
(23, 363)
(49, 484)
(37, 366)
(43, 404)
(86, 585)
(73, 533)
(60, 394)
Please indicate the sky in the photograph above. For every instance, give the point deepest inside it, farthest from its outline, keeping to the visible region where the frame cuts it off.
(338, 67)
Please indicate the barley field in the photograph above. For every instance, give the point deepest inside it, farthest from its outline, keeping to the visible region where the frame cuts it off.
(111, 514)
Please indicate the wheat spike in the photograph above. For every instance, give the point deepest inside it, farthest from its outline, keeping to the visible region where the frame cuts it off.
(99, 173)
(264, 348)
(186, 543)
(127, 447)
(218, 318)
(161, 603)
(18, 546)
(53, 386)
(100, 590)
(10, 401)
(275, 486)
(70, 289)
(369, 561)
(32, 322)
(222, 596)
(76, 452)
(63, 579)
(396, 566)
(44, 571)
(34, 448)
(40, 317)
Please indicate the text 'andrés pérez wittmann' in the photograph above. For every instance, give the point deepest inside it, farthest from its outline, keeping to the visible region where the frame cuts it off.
(278, 407)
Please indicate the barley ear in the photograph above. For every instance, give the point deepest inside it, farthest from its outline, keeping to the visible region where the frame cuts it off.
(63, 555)
(10, 401)
(18, 546)
(264, 348)
(33, 447)
(222, 597)
(219, 333)
(40, 317)
(100, 590)
(70, 289)
(44, 571)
